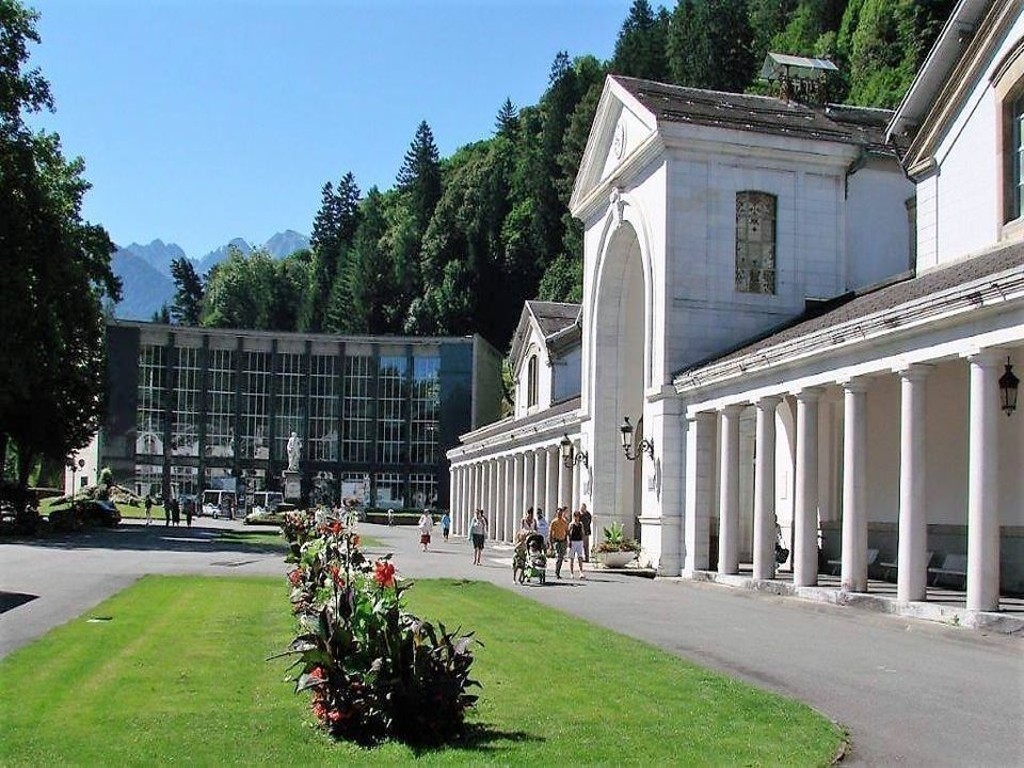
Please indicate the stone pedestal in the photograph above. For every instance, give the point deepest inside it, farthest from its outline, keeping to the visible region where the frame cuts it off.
(292, 486)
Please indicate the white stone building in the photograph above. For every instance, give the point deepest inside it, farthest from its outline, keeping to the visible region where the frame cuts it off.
(806, 311)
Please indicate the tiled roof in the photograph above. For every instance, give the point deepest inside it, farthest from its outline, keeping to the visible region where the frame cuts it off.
(853, 305)
(763, 114)
(553, 316)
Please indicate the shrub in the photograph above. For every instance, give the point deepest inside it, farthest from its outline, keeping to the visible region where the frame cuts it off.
(615, 540)
(374, 670)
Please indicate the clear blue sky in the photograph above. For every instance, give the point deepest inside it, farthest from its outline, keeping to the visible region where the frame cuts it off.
(202, 121)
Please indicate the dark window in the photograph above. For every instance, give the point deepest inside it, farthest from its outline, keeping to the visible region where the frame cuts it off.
(531, 382)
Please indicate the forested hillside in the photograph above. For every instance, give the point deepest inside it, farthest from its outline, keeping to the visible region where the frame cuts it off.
(459, 243)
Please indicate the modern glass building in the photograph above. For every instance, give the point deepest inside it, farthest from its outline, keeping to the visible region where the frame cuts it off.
(195, 409)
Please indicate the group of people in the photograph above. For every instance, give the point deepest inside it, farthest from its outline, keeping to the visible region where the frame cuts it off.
(172, 511)
(562, 535)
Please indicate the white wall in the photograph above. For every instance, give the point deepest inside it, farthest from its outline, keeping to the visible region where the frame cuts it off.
(566, 373)
(963, 194)
(877, 227)
(534, 345)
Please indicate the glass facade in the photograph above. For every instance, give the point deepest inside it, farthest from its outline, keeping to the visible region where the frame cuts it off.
(150, 415)
(185, 420)
(358, 408)
(220, 404)
(216, 413)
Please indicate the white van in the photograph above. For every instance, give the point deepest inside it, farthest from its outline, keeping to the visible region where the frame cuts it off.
(267, 501)
(217, 503)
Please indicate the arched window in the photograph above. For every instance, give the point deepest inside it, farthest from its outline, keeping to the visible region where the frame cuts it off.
(531, 382)
(755, 242)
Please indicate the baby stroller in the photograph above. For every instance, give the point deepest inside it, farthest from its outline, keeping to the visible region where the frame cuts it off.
(530, 562)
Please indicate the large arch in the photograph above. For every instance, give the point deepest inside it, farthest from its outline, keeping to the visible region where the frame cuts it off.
(619, 372)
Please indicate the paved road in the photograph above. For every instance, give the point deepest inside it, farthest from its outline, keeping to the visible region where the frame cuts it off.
(909, 692)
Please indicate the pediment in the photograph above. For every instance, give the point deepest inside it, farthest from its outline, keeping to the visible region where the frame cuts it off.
(621, 125)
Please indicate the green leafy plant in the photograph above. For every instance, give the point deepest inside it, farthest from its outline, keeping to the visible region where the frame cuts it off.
(374, 670)
(615, 540)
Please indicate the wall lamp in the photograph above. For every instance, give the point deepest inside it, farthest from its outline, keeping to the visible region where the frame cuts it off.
(1008, 384)
(645, 445)
(570, 455)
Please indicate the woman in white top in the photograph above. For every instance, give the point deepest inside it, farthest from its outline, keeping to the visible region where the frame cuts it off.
(426, 524)
(478, 533)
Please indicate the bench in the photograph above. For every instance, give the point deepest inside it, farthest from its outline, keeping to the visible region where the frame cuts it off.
(952, 565)
(836, 565)
(888, 568)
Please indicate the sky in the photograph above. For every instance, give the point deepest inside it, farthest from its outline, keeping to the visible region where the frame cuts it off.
(204, 120)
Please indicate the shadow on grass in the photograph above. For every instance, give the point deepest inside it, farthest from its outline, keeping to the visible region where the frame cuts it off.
(481, 737)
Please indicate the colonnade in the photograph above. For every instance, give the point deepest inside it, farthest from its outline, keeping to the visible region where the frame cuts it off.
(505, 485)
(982, 485)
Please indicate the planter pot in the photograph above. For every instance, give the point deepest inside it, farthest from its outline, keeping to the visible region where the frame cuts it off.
(616, 559)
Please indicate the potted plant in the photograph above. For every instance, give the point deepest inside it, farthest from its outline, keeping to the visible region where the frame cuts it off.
(617, 549)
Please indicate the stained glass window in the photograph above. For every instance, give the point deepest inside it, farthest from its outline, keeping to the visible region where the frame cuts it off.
(755, 242)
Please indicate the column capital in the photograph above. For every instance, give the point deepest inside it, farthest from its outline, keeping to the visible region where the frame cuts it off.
(702, 417)
(913, 371)
(856, 384)
(989, 357)
(734, 409)
(768, 402)
(808, 394)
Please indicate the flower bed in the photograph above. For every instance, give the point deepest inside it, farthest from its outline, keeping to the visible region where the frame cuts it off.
(374, 670)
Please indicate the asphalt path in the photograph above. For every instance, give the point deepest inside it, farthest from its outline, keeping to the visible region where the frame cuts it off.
(908, 692)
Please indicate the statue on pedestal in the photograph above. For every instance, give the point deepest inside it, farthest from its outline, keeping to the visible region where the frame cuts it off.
(294, 449)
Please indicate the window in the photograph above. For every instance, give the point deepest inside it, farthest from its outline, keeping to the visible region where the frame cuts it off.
(290, 414)
(149, 429)
(185, 423)
(392, 422)
(255, 404)
(220, 404)
(426, 406)
(531, 382)
(357, 408)
(323, 407)
(1016, 160)
(755, 242)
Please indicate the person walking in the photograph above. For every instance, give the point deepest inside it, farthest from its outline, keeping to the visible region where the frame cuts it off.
(576, 544)
(167, 512)
(587, 519)
(175, 512)
(149, 509)
(446, 525)
(541, 524)
(558, 534)
(478, 534)
(190, 506)
(426, 524)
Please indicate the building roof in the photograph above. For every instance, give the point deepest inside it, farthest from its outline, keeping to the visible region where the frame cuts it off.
(553, 318)
(777, 64)
(855, 305)
(764, 114)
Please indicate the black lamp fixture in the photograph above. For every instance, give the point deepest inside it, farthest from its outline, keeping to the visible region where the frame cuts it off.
(1008, 384)
(570, 456)
(645, 445)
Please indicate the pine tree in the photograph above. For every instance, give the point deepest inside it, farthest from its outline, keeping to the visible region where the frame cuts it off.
(370, 280)
(640, 47)
(419, 179)
(187, 305)
(507, 122)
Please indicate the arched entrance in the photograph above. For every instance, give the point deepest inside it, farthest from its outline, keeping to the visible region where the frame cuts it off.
(618, 377)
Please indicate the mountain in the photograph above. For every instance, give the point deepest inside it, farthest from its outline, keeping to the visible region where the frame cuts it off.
(144, 288)
(286, 243)
(213, 258)
(157, 254)
(145, 270)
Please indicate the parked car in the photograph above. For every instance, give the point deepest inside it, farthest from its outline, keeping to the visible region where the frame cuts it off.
(85, 512)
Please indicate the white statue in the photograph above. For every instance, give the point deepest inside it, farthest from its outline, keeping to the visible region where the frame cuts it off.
(294, 449)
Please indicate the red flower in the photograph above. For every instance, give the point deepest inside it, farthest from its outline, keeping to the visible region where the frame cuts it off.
(319, 710)
(317, 672)
(336, 575)
(355, 540)
(384, 573)
(335, 527)
(295, 576)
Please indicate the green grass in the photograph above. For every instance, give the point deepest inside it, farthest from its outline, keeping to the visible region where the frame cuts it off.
(179, 675)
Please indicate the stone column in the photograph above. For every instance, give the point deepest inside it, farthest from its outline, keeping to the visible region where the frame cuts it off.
(492, 487)
(854, 573)
(912, 576)
(529, 470)
(983, 483)
(540, 476)
(764, 490)
(577, 472)
(510, 487)
(729, 491)
(519, 500)
(805, 512)
(700, 482)
(551, 492)
(564, 485)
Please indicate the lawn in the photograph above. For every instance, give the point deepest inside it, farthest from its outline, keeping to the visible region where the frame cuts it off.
(179, 674)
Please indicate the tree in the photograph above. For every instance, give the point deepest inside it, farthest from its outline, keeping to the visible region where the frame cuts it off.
(369, 276)
(333, 231)
(507, 122)
(57, 272)
(710, 45)
(640, 47)
(240, 291)
(419, 179)
(187, 306)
